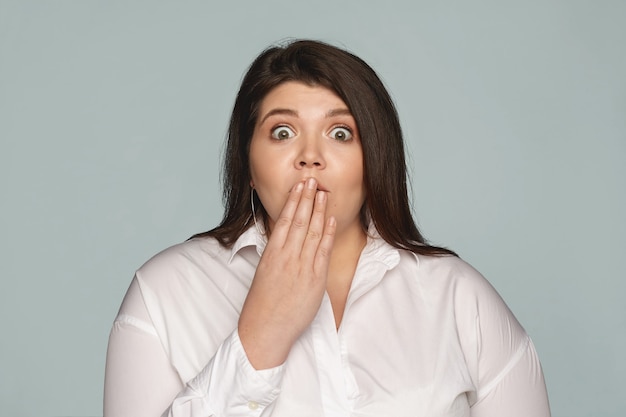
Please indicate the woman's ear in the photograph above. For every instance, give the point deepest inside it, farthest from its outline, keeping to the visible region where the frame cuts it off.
(251, 184)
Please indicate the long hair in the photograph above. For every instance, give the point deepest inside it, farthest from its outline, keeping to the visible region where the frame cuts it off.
(356, 83)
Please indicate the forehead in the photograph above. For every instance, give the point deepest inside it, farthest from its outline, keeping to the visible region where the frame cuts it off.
(294, 95)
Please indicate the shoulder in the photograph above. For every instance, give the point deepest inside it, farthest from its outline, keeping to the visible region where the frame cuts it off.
(474, 300)
(192, 293)
(485, 324)
(192, 251)
(459, 300)
(183, 260)
(451, 271)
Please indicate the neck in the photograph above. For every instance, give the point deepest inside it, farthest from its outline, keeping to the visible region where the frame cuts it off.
(343, 261)
(346, 252)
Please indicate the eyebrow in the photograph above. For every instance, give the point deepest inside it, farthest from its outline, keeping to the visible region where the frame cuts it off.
(290, 112)
(338, 112)
(274, 112)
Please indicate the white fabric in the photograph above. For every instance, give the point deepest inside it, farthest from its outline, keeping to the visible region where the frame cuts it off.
(420, 336)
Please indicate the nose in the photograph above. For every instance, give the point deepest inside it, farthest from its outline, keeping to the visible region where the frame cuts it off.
(310, 154)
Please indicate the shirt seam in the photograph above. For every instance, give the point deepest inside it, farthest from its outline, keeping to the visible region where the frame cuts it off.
(137, 324)
(488, 388)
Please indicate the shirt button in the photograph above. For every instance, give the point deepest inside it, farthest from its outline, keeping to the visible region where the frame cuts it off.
(253, 405)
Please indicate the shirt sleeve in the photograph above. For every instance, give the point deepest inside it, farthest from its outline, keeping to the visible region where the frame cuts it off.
(141, 382)
(502, 359)
(519, 391)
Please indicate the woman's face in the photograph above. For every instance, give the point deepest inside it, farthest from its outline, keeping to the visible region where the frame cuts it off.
(307, 131)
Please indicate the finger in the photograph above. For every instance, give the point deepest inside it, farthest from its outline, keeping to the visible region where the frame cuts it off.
(285, 218)
(302, 218)
(316, 228)
(325, 248)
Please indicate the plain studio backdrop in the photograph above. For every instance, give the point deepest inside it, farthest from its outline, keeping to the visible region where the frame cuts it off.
(112, 120)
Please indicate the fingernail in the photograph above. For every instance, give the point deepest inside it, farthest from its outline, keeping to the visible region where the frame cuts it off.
(299, 186)
(311, 184)
(320, 197)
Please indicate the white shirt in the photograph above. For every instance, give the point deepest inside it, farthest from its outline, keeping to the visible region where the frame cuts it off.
(420, 336)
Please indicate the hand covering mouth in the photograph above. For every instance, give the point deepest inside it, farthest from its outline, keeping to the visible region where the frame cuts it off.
(320, 187)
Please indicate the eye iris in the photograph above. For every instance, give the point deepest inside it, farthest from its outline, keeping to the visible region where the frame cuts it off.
(340, 135)
(283, 134)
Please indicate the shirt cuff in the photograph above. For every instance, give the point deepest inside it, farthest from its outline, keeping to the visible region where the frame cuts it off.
(229, 384)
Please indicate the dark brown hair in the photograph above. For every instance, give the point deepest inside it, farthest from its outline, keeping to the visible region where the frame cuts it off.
(356, 83)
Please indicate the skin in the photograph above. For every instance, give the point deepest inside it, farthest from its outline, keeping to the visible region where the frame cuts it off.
(306, 164)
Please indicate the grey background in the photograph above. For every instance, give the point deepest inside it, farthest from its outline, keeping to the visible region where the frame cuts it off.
(112, 116)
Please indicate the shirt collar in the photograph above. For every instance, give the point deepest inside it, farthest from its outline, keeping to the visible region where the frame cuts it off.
(251, 237)
(378, 250)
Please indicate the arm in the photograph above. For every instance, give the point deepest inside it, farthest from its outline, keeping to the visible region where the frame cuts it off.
(139, 380)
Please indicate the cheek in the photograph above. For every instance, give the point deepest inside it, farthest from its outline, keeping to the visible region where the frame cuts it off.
(355, 176)
(272, 201)
(268, 185)
(266, 177)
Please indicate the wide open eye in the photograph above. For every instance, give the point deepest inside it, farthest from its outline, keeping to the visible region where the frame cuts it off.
(282, 133)
(341, 134)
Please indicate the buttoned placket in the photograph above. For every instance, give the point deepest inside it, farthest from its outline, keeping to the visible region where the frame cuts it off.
(338, 387)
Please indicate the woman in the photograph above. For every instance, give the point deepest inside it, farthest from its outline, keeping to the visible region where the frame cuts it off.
(316, 295)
